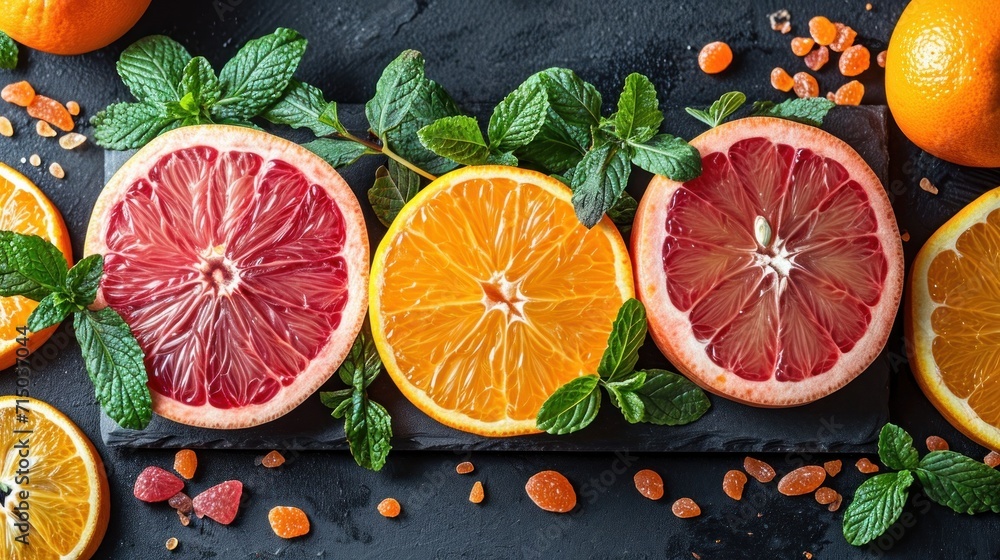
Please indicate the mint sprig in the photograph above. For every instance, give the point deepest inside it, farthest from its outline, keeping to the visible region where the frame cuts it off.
(948, 478)
(34, 268)
(811, 110)
(720, 110)
(394, 186)
(652, 396)
(367, 424)
(8, 52)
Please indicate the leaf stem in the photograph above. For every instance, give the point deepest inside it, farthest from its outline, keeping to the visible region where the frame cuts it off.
(389, 153)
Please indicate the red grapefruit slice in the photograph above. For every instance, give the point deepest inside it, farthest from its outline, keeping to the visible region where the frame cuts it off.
(240, 261)
(774, 278)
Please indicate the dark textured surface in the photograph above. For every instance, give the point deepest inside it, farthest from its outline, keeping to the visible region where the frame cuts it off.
(480, 51)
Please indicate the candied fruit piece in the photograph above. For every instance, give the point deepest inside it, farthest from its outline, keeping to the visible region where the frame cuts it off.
(389, 507)
(936, 443)
(465, 467)
(833, 467)
(273, 460)
(845, 38)
(803, 480)
(44, 130)
(288, 522)
(18, 93)
(649, 483)
(715, 57)
(50, 111)
(758, 469)
(850, 93)
(186, 463)
(184, 518)
(802, 45)
(826, 495)
(57, 170)
(805, 85)
(6, 129)
(880, 59)
(865, 466)
(822, 30)
(477, 494)
(733, 483)
(831, 96)
(551, 491)
(836, 503)
(181, 502)
(781, 80)
(156, 485)
(35, 160)
(780, 21)
(817, 58)
(172, 543)
(71, 140)
(927, 185)
(220, 503)
(73, 107)
(855, 60)
(685, 508)
(992, 459)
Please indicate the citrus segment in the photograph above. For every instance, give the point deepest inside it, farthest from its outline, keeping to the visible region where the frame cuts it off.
(239, 260)
(488, 295)
(25, 209)
(67, 501)
(774, 277)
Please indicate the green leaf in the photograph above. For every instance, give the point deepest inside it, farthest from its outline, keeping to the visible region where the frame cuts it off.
(726, 105)
(628, 331)
(153, 67)
(114, 362)
(127, 126)
(303, 106)
(557, 147)
(84, 278)
(30, 266)
(201, 83)
(456, 138)
(638, 109)
(623, 395)
(623, 212)
(571, 407)
(895, 448)
(398, 88)
(362, 364)
(669, 156)
(518, 118)
(259, 74)
(598, 182)
(368, 427)
(505, 158)
(963, 484)
(51, 310)
(671, 399)
(431, 103)
(393, 188)
(339, 401)
(338, 153)
(809, 111)
(575, 101)
(8, 52)
(876, 506)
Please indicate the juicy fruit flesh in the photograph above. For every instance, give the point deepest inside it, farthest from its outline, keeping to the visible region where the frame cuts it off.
(478, 298)
(773, 253)
(963, 282)
(228, 269)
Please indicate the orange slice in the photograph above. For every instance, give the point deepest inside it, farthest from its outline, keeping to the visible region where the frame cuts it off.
(65, 496)
(487, 295)
(953, 320)
(24, 209)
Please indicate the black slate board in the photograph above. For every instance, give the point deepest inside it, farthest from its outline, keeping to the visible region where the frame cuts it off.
(848, 420)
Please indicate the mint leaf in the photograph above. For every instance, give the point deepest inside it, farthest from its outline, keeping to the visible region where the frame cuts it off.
(259, 73)
(638, 116)
(669, 156)
(431, 103)
(506, 158)
(671, 399)
(393, 188)
(895, 448)
(623, 395)
(30, 266)
(303, 105)
(8, 52)
(963, 484)
(572, 407)
(338, 153)
(876, 506)
(726, 105)
(397, 90)
(51, 310)
(598, 182)
(200, 82)
(623, 212)
(153, 67)
(575, 101)
(339, 401)
(628, 331)
(518, 118)
(126, 126)
(809, 111)
(557, 147)
(456, 138)
(114, 362)
(362, 364)
(368, 427)
(84, 278)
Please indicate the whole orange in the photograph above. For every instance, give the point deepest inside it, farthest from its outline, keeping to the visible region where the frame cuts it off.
(69, 26)
(942, 79)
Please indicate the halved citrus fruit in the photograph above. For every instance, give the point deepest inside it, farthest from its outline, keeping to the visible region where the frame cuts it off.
(52, 480)
(24, 209)
(774, 278)
(488, 295)
(240, 261)
(952, 320)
